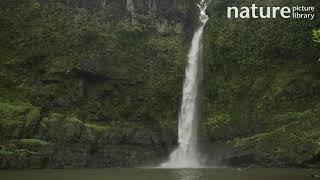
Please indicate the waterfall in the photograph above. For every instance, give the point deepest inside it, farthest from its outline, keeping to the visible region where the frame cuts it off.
(130, 6)
(185, 155)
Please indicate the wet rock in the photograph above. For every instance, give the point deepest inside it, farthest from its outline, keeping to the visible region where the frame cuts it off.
(70, 156)
(92, 66)
(315, 176)
(131, 136)
(34, 145)
(72, 145)
(61, 129)
(294, 144)
(102, 68)
(298, 88)
(21, 158)
(80, 88)
(140, 98)
(243, 169)
(96, 73)
(239, 159)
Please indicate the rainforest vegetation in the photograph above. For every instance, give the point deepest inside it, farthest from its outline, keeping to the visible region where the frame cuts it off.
(262, 86)
(98, 83)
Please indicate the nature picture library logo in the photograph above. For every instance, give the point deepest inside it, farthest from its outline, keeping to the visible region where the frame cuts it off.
(295, 12)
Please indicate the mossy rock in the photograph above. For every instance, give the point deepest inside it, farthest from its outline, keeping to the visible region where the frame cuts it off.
(99, 65)
(18, 121)
(36, 142)
(32, 144)
(295, 144)
(257, 70)
(61, 128)
(20, 158)
(93, 132)
(316, 35)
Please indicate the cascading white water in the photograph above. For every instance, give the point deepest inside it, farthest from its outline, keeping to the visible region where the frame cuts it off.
(186, 156)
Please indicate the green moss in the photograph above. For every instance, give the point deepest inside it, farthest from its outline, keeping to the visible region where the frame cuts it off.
(61, 118)
(133, 53)
(7, 153)
(75, 120)
(257, 70)
(53, 117)
(97, 128)
(34, 114)
(129, 31)
(97, 65)
(316, 35)
(93, 131)
(60, 128)
(33, 142)
(18, 120)
(218, 121)
(293, 144)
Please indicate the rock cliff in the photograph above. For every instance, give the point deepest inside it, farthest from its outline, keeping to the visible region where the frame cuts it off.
(262, 85)
(91, 83)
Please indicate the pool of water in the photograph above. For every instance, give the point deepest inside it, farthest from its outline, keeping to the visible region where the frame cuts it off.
(161, 174)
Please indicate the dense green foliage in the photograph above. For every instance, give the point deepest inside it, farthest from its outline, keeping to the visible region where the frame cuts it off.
(84, 72)
(18, 121)
(257, 70)
(296, 143)
(47, 45)
(92, 84)
(316, 35)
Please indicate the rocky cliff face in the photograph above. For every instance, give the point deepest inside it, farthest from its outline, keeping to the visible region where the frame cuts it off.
(90, 83)
(167, 15)
(262, 86)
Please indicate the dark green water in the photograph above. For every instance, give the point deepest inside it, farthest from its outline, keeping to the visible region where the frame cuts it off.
(161, 174)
